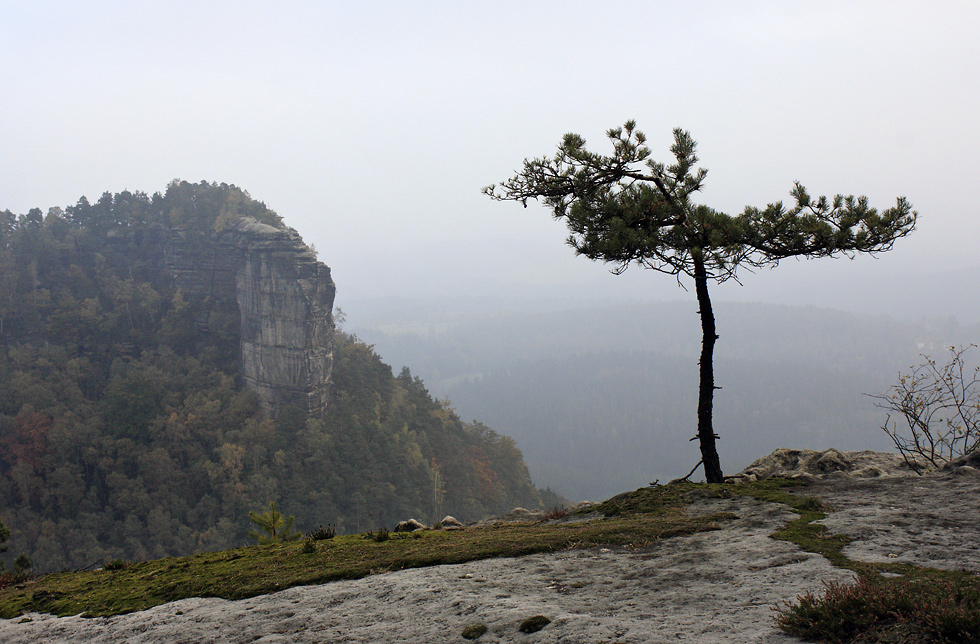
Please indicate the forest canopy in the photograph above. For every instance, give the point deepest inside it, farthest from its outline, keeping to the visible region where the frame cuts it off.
(125, 431)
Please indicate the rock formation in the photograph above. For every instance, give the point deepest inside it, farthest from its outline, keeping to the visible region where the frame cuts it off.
(810, 465)
(284, 298)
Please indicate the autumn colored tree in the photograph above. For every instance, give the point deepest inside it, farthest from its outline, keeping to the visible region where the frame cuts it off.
(627, 209)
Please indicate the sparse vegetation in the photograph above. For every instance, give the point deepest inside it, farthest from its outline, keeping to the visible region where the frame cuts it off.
(939, 410)
(322, 533)
(557, 512)
(12, 578)
(888, 611)
(116, 564)
(380, 535)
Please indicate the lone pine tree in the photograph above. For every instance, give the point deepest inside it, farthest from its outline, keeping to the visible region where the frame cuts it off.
(276, 526)
(629, 209)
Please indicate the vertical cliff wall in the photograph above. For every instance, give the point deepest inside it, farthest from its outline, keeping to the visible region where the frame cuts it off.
(284, 297)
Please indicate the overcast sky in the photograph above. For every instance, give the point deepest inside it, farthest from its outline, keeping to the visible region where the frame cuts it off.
(371, 127)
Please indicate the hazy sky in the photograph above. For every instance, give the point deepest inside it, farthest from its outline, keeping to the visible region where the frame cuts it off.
(371, 127)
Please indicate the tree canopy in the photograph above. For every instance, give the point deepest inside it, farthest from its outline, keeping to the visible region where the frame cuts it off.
(628, 209)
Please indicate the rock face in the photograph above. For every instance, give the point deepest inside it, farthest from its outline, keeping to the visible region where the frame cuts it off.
(284, 297)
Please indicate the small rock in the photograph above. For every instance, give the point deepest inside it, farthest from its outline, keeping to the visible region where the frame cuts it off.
(450, 521)
(868, 472)
(409, 526)
(971, 459)
(966, 470)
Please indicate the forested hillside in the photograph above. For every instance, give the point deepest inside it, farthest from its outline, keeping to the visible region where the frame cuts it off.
(125, 431)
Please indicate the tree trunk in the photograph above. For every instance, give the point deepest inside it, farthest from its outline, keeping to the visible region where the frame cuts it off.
(706, 391)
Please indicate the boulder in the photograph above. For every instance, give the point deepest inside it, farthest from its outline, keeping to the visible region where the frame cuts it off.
(409, 526)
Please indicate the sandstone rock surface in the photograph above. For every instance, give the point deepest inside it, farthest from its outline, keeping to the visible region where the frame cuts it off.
(284, 298)
(712, 587)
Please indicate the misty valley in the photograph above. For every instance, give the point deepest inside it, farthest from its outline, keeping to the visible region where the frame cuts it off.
(602, 399)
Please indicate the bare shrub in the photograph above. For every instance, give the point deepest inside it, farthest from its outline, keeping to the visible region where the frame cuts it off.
(937, 408)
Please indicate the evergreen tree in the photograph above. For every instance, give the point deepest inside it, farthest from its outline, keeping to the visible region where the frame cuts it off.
(629, 209)
(277, 528)
(125, 432)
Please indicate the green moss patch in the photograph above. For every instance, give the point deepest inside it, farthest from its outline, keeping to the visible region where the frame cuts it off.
(256, 570)
(533, 624)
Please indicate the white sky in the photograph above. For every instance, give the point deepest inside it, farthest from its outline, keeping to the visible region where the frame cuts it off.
(371, 127)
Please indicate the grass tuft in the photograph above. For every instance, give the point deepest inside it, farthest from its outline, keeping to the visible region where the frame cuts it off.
(116, 564)
(557, 512)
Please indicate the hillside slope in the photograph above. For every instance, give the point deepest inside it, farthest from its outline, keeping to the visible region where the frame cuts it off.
(125, 428)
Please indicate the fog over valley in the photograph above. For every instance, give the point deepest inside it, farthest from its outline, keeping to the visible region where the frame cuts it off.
(603, 398)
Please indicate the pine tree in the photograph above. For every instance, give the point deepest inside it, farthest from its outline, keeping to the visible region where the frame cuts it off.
(628, 209)
(277, 527)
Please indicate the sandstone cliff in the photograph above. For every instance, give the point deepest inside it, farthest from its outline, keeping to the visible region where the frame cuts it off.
(284, 297)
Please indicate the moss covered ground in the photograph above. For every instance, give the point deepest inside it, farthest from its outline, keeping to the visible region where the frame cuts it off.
(255, 570)
(633, 519)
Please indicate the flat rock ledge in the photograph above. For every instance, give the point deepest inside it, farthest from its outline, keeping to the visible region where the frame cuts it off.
(710, 587)
(714, 587)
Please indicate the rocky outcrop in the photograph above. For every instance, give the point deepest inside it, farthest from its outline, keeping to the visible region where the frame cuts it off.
(810, 465)
(284, 298)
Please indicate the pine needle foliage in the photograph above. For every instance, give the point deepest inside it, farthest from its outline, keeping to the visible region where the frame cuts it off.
(277, 527)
